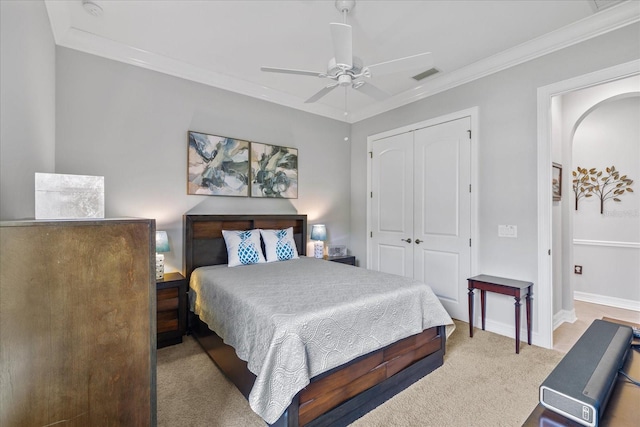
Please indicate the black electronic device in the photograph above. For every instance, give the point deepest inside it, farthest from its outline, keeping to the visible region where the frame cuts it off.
(580, 386)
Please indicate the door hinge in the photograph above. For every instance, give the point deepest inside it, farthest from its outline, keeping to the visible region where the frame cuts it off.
(469, 133)
(371, 154)
(549, 252)
(371, 234)
(469, 188)
(469, 242)
(371, 195)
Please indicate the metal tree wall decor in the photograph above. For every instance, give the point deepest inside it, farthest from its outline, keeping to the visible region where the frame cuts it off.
(611, 186)
(582, 183)
(605, 186)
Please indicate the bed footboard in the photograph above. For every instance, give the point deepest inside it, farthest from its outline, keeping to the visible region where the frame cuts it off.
(342, 395)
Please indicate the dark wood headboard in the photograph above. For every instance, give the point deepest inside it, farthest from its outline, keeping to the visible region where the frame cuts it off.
(204, 244)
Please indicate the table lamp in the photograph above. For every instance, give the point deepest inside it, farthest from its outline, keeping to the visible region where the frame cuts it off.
(162, 245)
(319, 234)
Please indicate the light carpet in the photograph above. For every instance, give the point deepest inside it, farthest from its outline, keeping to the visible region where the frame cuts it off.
(482, 383)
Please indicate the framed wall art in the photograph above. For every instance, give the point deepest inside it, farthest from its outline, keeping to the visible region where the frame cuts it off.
(218, 165)
(274, 171)
(556, 181)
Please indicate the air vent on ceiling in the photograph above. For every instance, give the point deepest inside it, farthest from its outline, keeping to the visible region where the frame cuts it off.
(425, 74)
(599, 5)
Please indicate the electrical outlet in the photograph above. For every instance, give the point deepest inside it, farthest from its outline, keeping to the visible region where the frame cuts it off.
(508, 231)
(577, 269)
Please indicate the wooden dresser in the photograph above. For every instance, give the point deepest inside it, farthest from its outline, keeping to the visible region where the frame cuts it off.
(77, 323)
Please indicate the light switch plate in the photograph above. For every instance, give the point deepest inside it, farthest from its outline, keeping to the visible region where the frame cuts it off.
(508, 231)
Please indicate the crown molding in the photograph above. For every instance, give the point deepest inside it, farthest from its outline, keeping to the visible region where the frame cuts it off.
(600, 23)
(100, 46)
(83, 41)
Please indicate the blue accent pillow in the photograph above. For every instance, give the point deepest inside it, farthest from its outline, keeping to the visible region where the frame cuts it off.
(279, 245)
(243, 247)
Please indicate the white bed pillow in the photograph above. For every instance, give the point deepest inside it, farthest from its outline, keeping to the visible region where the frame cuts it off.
(279, 245)
(243, 247)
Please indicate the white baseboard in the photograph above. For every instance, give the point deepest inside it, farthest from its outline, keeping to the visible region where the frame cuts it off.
(606, 300)
(509, 330)
(564, 316)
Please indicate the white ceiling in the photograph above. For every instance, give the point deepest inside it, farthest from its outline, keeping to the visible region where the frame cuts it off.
(224, 43)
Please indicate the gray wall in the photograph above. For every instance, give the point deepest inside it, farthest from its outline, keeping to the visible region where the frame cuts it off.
(27, 103)
(507, 160)
(130, 125)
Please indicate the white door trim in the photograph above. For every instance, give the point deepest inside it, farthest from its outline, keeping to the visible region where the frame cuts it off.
(544, 283)
(473, 113)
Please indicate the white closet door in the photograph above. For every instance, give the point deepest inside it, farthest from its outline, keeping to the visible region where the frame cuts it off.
(392, 205)
(442, 219)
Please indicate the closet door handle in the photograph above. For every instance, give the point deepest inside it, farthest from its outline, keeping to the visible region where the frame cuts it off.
(418, 241)
(406, 240)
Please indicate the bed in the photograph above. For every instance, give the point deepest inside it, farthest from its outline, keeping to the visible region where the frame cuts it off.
(324, 388)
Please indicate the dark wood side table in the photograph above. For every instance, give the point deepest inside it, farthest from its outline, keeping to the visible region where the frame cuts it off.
(346, 259)
(502, 286)
(171, 309)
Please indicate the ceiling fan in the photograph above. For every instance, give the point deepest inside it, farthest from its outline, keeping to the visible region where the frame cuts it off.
(347, 70)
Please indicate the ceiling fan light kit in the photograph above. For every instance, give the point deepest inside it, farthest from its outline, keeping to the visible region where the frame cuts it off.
(347, 70)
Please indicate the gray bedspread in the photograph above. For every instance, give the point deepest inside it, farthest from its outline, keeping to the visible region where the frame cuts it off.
(293, 320)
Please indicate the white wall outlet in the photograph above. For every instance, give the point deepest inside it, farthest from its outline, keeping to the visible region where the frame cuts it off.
(508, 231)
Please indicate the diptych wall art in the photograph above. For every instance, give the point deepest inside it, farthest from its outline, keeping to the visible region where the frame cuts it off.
(274, 171)
(223, 166)
(218, 166)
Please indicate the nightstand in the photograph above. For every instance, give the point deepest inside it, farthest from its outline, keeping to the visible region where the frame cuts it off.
(347, 259)
(171, 309)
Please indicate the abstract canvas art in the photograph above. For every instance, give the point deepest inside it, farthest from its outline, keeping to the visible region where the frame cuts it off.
(218, 165)
(274, 171)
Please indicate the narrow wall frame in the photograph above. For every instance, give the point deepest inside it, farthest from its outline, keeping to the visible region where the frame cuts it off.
(556, 181)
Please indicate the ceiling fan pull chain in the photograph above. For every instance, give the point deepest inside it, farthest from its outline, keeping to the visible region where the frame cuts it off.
(346, 111)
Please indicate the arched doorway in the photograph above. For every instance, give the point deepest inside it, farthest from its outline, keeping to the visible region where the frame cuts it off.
(547, 131)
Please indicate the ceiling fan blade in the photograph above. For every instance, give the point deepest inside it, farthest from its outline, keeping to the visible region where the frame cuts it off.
(342, 44)
(325, 90)
(421, 60)
(371, 90)
(292, 71)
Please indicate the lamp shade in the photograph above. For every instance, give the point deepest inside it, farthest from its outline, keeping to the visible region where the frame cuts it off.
(318, 232)
(162, 241)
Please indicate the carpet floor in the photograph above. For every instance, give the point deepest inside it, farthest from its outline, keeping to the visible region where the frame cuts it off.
(482, 383)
